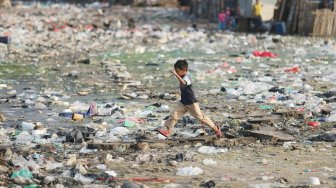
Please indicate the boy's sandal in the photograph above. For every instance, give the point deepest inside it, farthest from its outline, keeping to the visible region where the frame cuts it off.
(218, 132)
(163, 132)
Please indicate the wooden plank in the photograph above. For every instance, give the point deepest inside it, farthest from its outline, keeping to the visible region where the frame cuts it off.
(264, 119)
(290, 113)
(301, 17)
(224, 142)
(167, 141)
(257, 114)
(331, 18)
(269, 135)
(109, 146)
(283, 5)
(291, 15)
(296, 17)
(316, 29)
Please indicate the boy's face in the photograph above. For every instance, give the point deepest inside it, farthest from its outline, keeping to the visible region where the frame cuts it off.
(180, 72)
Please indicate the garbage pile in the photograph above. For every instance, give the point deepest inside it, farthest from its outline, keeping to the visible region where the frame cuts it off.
(83, 90)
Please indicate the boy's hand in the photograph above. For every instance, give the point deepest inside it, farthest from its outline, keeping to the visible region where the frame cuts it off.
(173, 71)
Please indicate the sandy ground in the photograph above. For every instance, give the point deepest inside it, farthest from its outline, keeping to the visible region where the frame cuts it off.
(249, 166)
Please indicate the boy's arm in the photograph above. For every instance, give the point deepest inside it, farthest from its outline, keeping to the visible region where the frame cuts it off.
(182, 82)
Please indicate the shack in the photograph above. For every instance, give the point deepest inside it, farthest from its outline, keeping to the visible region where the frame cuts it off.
(307, 17)
(209, 9)
(301, 17)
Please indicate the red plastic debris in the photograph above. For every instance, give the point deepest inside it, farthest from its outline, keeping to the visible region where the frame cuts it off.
(224, 65)
(89, 27)
(313, 124)
(264, 54)
(293, 70)
(300, 109)
(6, 34)
(232, 70)
(239, 59)
(56, 30)
(164, 133)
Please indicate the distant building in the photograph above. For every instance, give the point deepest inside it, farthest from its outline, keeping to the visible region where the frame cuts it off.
(209, 9)
(5, 3)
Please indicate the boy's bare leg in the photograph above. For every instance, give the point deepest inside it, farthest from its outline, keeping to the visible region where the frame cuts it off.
(195, 111)
(175, 115)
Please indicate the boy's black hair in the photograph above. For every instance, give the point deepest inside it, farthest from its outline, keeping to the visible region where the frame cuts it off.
(181, 64)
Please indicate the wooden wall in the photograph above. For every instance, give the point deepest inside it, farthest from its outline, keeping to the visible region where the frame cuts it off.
(325, 23)
(298, 15)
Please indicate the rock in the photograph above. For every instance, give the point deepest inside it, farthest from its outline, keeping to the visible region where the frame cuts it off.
(8, 154)
(40, 106)
(173, 163)
(282, 180)
(179, 157)
(143, 146)
(84, 61)
(209, 184)
(209, 162)
(11, 93)
(74, 74)
(264, 178)
(144, 158)
(49, 179)
(75, 136)
(130, 185)
(3, 169)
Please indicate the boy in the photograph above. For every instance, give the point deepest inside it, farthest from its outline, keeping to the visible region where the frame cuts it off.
(188, 102)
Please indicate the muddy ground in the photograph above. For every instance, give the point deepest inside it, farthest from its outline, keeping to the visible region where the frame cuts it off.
(66, 57)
